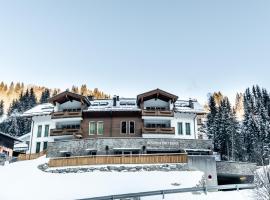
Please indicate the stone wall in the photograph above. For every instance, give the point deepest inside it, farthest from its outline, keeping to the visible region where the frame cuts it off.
(235, 168)
(107, 145)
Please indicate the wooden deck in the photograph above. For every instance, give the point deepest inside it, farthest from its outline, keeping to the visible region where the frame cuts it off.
(118, 159)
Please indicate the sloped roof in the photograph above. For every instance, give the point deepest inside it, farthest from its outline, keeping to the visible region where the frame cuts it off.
(157, 93)
(9, 136)
(68, 96)
(41, 109)
(184, 107)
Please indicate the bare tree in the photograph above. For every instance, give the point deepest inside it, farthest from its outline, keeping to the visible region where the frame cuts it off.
(262, 181)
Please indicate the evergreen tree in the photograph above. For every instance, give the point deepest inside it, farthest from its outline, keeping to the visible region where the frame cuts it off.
(75, 89)
(45, 96)
(211, 120)
(223, 128)
(55, 92)
(84, 90)
(256, 127)
(32, 99)
(1, 108)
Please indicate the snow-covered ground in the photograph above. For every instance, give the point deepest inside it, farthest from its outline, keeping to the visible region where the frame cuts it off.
(22, 180)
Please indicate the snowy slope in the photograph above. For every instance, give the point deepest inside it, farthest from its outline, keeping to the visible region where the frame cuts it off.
(22, 180)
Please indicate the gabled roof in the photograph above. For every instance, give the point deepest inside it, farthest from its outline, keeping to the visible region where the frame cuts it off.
(9, 136)
(157, 93)
(41, 109)
(68, 96)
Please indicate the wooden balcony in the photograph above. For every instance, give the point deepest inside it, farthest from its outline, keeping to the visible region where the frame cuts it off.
(65, 131)
(66, 114)
(161, 113)
(170, 130)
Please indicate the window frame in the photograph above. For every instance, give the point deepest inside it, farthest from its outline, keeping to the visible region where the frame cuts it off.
(188, 128)
(121, 128)
(133, 127)
(39, 131)
(45, 142)
(47, 135)
(178, 128)
(38, 144)
(95, 130)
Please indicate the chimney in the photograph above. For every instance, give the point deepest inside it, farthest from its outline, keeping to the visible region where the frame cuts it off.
(114, 100)
(191, 104)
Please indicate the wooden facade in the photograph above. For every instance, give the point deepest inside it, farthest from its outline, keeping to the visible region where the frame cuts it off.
(112, 123)
(7, 144)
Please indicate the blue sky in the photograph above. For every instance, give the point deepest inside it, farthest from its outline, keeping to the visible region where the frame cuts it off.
(188, 47)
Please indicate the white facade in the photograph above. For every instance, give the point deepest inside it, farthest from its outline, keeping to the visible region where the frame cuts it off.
(40, 140)
(184, 119)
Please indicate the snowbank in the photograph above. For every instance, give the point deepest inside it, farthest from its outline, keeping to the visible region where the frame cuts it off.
(22, 180)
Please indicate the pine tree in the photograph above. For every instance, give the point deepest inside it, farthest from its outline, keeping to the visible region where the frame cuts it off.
(211, 120)
(1, 108)
(75, 89)
(45, 96)
(256, 127)
(32, 99)
(55, 92)
(223, 128)
(84, 90)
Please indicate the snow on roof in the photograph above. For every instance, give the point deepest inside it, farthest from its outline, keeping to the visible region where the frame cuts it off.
(124, 104)
(7, 135)
(21, 145)
(25, 137)
(41, 109)
(184, 106)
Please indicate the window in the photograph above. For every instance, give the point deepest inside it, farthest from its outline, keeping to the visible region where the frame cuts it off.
(39, 131)
(27, 142)
(92, 128)
(188, 129)
(180, 128)
(132, 127)
(123, 127)
(100, 128)
(38, 147)
(46, 134)
(45, 145)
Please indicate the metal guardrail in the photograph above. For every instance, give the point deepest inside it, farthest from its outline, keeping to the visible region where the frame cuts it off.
(174, 191)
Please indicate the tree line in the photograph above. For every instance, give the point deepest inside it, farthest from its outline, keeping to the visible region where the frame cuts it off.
(16, 125)
(241, 140)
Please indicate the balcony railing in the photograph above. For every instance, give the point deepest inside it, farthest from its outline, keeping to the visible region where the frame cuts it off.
(169, 130)
(66, 114)
(162, 113)
(65, 131)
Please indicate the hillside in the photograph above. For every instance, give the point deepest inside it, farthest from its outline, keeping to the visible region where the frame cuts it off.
(12, 91)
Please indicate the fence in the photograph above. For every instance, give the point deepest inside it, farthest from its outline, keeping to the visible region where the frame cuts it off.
(119, 159)
(32, 156)
(173, 191)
